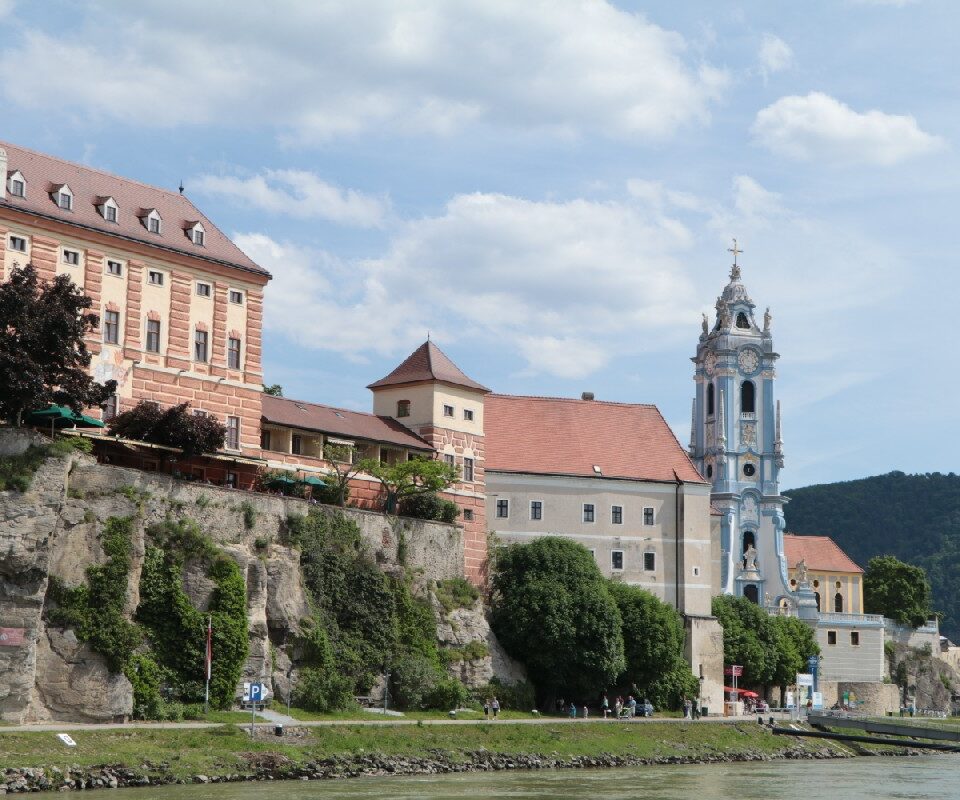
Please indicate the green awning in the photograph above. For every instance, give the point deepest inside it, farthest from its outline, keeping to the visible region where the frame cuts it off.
(63, 417)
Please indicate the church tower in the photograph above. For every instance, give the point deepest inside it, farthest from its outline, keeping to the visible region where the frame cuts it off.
(735, 442)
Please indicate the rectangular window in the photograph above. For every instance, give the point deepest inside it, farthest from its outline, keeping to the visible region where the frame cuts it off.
(831, 637)
(231, 481)
(296, 444)
(403, 408)
(503, 509)
(17, 189)
(236, 297)
(648, 516)
(448, 411)
(203, 290)
(616, 515)
(468, 515)
(450, 460)
(198, 237)
(265, 440)
(110, 213)
(616, 559)
(588, 512)
(110, 408)
(65, 201)
(536, 509)
(71, 257)
(855, 638)
(468, 469)
(233, 353)
(111, 327)
(649, 562)
(155, 278)
(153, 224)
(114, 268)
(233, 433)
(468, 414)
(18, 243)
(153, 336)
(200, 346)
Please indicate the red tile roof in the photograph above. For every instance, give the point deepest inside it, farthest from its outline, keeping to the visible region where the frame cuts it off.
(556, 436)
(339, 422)
(428, 363)
(45, 174)
(820, 553)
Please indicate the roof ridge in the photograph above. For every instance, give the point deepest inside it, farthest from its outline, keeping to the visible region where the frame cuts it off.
(683, 449)
(322, 405)
(79, 165)
(572, 400)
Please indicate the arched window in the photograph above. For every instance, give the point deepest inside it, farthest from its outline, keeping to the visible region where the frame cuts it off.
(749, 540)
(818, 600)
(751, 593)
(838, 603)
(742, 321)
(747, 397)
(710, 393)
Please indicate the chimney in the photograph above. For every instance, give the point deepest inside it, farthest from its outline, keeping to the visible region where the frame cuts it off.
(586, 396)
(3, 174)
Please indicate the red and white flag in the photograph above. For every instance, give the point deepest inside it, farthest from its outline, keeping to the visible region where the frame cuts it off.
(209, 646)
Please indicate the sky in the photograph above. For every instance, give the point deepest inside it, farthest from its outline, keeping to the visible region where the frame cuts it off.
(549, 188)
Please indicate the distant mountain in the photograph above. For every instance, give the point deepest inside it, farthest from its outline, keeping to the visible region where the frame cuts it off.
(913, 517)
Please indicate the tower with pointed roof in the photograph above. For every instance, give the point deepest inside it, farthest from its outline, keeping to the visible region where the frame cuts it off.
(432, 396)
(735, 442)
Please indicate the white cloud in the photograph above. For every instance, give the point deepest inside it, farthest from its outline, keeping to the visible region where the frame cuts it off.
(320, 70)
(818, 126)
(775, 54)
(299, 194)
(563, 357)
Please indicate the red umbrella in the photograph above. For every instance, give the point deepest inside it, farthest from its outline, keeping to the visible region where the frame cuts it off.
(743, 692)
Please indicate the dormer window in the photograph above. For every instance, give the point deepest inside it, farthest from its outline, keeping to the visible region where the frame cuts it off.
(196, 234)
(109, 209)
(64, 198)
(152, 221)
(17, 185)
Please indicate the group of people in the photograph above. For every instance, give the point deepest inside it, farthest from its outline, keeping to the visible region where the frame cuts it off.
(491, 706)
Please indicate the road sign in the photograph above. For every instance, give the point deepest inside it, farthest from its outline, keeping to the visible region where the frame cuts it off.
(258, 692)
(734, 670)
(804, 679)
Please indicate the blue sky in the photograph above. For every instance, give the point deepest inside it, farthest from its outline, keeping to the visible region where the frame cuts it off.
(550, 188)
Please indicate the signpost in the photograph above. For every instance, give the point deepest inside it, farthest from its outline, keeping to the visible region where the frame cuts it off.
(254, 693)
(734, 671)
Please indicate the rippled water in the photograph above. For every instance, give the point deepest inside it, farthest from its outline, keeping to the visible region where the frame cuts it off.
(936, 778)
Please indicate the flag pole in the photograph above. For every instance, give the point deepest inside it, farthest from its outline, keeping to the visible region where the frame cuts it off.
(209, 663)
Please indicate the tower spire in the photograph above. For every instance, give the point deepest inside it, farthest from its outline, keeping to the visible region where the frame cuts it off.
(735, 269)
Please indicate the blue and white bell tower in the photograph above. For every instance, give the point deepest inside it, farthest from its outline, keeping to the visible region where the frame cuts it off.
(735, 442)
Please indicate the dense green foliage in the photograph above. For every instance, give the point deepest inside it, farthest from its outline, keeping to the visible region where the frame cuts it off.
(553, 611)
(653, 646)
(406, 479)
(896, 590)
(176, 426)
(456, 593)
(372, 621)
(43, 356)
(913, 517)
(429, 505)
(772, 650)
(16, 472)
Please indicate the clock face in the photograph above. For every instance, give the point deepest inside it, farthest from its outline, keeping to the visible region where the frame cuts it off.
(710, 363)
(748, 360)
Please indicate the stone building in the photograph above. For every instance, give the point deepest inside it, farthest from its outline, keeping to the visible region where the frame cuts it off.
(180, 305)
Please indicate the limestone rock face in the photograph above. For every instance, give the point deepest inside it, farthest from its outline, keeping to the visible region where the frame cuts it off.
(464, 626)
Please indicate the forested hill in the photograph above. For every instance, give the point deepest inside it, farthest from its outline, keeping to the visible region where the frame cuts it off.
(913, 517)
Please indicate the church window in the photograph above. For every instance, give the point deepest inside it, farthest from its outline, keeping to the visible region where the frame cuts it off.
(749, 470)
(403, 408)
(838, 603)
(616, 559)
(649, 562)
(831, 637)
(818, 603)
(747, 397)
(709, 470)
(749, 540)
(742, 321)
(710, 399)
(752, 594)
(855, 638)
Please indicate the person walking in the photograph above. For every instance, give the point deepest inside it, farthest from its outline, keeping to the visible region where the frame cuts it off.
(495, 705)
(605, 705)
(486, 708)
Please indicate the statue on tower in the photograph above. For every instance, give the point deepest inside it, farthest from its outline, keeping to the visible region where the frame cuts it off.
(767, 319)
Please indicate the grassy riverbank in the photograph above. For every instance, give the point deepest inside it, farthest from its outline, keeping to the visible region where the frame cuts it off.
(165, 755)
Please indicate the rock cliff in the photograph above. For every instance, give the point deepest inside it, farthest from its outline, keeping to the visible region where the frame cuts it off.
(52, 531)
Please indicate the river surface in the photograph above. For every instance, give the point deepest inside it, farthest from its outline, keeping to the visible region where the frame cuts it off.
(934, 777)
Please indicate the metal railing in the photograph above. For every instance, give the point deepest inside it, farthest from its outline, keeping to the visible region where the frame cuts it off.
(852, 619)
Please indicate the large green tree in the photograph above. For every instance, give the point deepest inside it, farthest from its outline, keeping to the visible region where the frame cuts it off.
(407, 479)
(43, 358)
(896, 590)
(175, 426)
(653, 646)
(552, 610)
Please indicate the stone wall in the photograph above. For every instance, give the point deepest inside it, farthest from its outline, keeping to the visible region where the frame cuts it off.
(873, 698)
(53, 528)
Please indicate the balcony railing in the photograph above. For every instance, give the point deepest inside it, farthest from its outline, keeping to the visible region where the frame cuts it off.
(852, 619)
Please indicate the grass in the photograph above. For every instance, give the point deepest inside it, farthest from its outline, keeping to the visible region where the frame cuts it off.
(353, 715)
(228, 748)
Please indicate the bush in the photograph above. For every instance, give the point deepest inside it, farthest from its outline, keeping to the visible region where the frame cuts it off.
(321, 689)
(249, 514)
(454, 593)
(330, 493)
(447, 694)
(412, 681)
(422, 506)
(519, 696)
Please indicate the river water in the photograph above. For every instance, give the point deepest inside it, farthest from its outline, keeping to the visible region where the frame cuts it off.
(933, 777)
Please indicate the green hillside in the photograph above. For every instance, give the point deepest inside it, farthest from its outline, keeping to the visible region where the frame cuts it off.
(913, 517)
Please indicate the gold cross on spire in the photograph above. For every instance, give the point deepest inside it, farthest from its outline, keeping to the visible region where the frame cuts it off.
(735, 271)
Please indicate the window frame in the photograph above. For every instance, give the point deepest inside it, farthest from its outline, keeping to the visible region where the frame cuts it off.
(108, 263)
(616, 515)
(468, 415)
(469, 469)
(652, 515)
(831, 635)
(64, 199)
(296, 444)
(266, 439)
(155, 273)
(17, 178)
(67, 254)
(111, 330)
(854, 638)
(536, 514)
(16, 238)
(613, 558)
(201, 337)
(450, 459)
(649, 561)
(403, 409)
(592, 512)
(448, 410)
(233, 294)
(203, 289)
(153, 222)
(232, 438)
(231, 352)
(503, 505)
(148, 334)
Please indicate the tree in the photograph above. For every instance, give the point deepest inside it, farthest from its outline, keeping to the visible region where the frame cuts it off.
(794, 644)
(274, 390)
(746, 638)
(410, 478)
(194, 434)
(896, 590)
(552, 610)
(340, 457)
(43, 357)
(653, 645)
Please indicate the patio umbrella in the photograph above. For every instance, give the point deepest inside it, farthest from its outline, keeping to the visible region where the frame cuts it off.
(743, 692)
(314, 481)
(281, 481)
(62, 417)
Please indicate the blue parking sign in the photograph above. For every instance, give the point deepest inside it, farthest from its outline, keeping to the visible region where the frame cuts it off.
(257, 692)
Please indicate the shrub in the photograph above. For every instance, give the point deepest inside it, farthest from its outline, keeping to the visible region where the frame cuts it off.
(447, 694)
(331, 493)
(412, 681)
(429, 506)
(454, 593)
(249, 514)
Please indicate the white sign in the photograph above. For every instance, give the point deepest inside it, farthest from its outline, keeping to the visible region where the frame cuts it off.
(246, 693)
(804, 679)
(789, 699)
(818, 699)
(67, 739)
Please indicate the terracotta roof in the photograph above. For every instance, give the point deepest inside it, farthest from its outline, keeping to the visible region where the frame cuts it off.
(339, 422)
(428, 363)
(820, 553)
(556, 436)
(45, 174)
